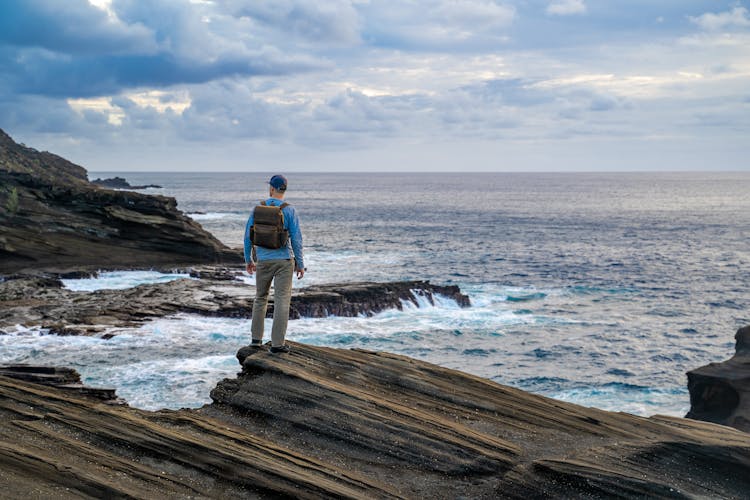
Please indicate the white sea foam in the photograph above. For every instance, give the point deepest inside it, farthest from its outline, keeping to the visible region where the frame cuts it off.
(171, 382)
(424, 319)
(423, 302)
(21, 330)
(246, 278)
(119, 280)
(167, 363)
(214, 216)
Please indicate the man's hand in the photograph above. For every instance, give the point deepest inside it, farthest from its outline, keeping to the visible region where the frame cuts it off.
(251, 267)
(300, 273)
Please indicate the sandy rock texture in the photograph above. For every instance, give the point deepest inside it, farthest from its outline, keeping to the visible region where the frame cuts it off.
(322, 423)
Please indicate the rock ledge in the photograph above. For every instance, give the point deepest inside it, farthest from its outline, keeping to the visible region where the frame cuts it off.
(330, 423)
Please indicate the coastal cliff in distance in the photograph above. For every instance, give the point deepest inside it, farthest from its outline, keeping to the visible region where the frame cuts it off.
(334, 423)
(53, 219)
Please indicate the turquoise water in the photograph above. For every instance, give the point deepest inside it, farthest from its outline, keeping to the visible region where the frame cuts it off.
(601, 289)
(120, 280)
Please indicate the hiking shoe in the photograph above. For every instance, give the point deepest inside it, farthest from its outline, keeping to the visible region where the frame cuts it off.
(256, 343)
(280, 349)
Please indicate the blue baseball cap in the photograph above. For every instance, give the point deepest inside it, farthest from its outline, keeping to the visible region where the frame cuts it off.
(278, 182)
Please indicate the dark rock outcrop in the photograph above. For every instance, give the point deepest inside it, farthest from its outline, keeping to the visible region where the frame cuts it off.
(52, 218)
(63, 378)
(354, 299)
(42, 301)
(120, 183)
(328, 423)
(720, 392)
(214, 273)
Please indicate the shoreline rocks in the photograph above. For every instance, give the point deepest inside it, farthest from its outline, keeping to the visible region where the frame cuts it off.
(720, 392)
(44, 302)
(120, 183)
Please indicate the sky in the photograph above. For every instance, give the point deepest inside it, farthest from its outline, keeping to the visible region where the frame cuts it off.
(379, 85)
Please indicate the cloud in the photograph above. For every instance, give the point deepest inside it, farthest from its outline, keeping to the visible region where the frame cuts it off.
(41, 115)
(437, 25)
(329, 22)
(566, 7)
(185, 79)
(79, 50)
(228, 111)
(50, 74)
(71, 27)
(474, 15)
(735, 18)
(519, 92)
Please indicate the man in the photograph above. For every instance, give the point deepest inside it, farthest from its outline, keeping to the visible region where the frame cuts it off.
(277, 266)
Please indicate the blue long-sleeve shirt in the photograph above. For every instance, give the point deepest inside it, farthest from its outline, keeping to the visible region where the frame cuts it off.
(291, 223)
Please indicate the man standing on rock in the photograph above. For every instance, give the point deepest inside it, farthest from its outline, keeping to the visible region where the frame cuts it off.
(273, 248)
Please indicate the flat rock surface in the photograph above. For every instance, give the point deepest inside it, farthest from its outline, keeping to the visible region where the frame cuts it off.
(321, 423)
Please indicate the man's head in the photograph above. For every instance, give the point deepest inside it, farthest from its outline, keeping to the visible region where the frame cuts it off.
(278, 184)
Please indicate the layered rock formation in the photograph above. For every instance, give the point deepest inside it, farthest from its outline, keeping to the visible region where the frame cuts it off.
(42, 301)
(63, 378)
(720, 392)
(53, 218)
(323, 423)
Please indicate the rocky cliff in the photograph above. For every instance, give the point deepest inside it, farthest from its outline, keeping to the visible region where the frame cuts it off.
(328, 423)
(720, 392)
(53, 218)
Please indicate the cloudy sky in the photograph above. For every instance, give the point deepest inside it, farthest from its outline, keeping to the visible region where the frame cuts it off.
(368, 85)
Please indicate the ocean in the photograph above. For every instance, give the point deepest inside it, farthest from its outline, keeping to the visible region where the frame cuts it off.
(598, 289)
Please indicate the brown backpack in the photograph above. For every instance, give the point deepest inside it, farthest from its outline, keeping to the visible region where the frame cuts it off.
(268, 226)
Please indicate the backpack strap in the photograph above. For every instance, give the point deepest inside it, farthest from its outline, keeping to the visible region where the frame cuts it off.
(254, 255)
(281, 210)
(283, 205)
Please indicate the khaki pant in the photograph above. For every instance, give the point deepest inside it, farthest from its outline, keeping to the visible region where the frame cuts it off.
(280, 272)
